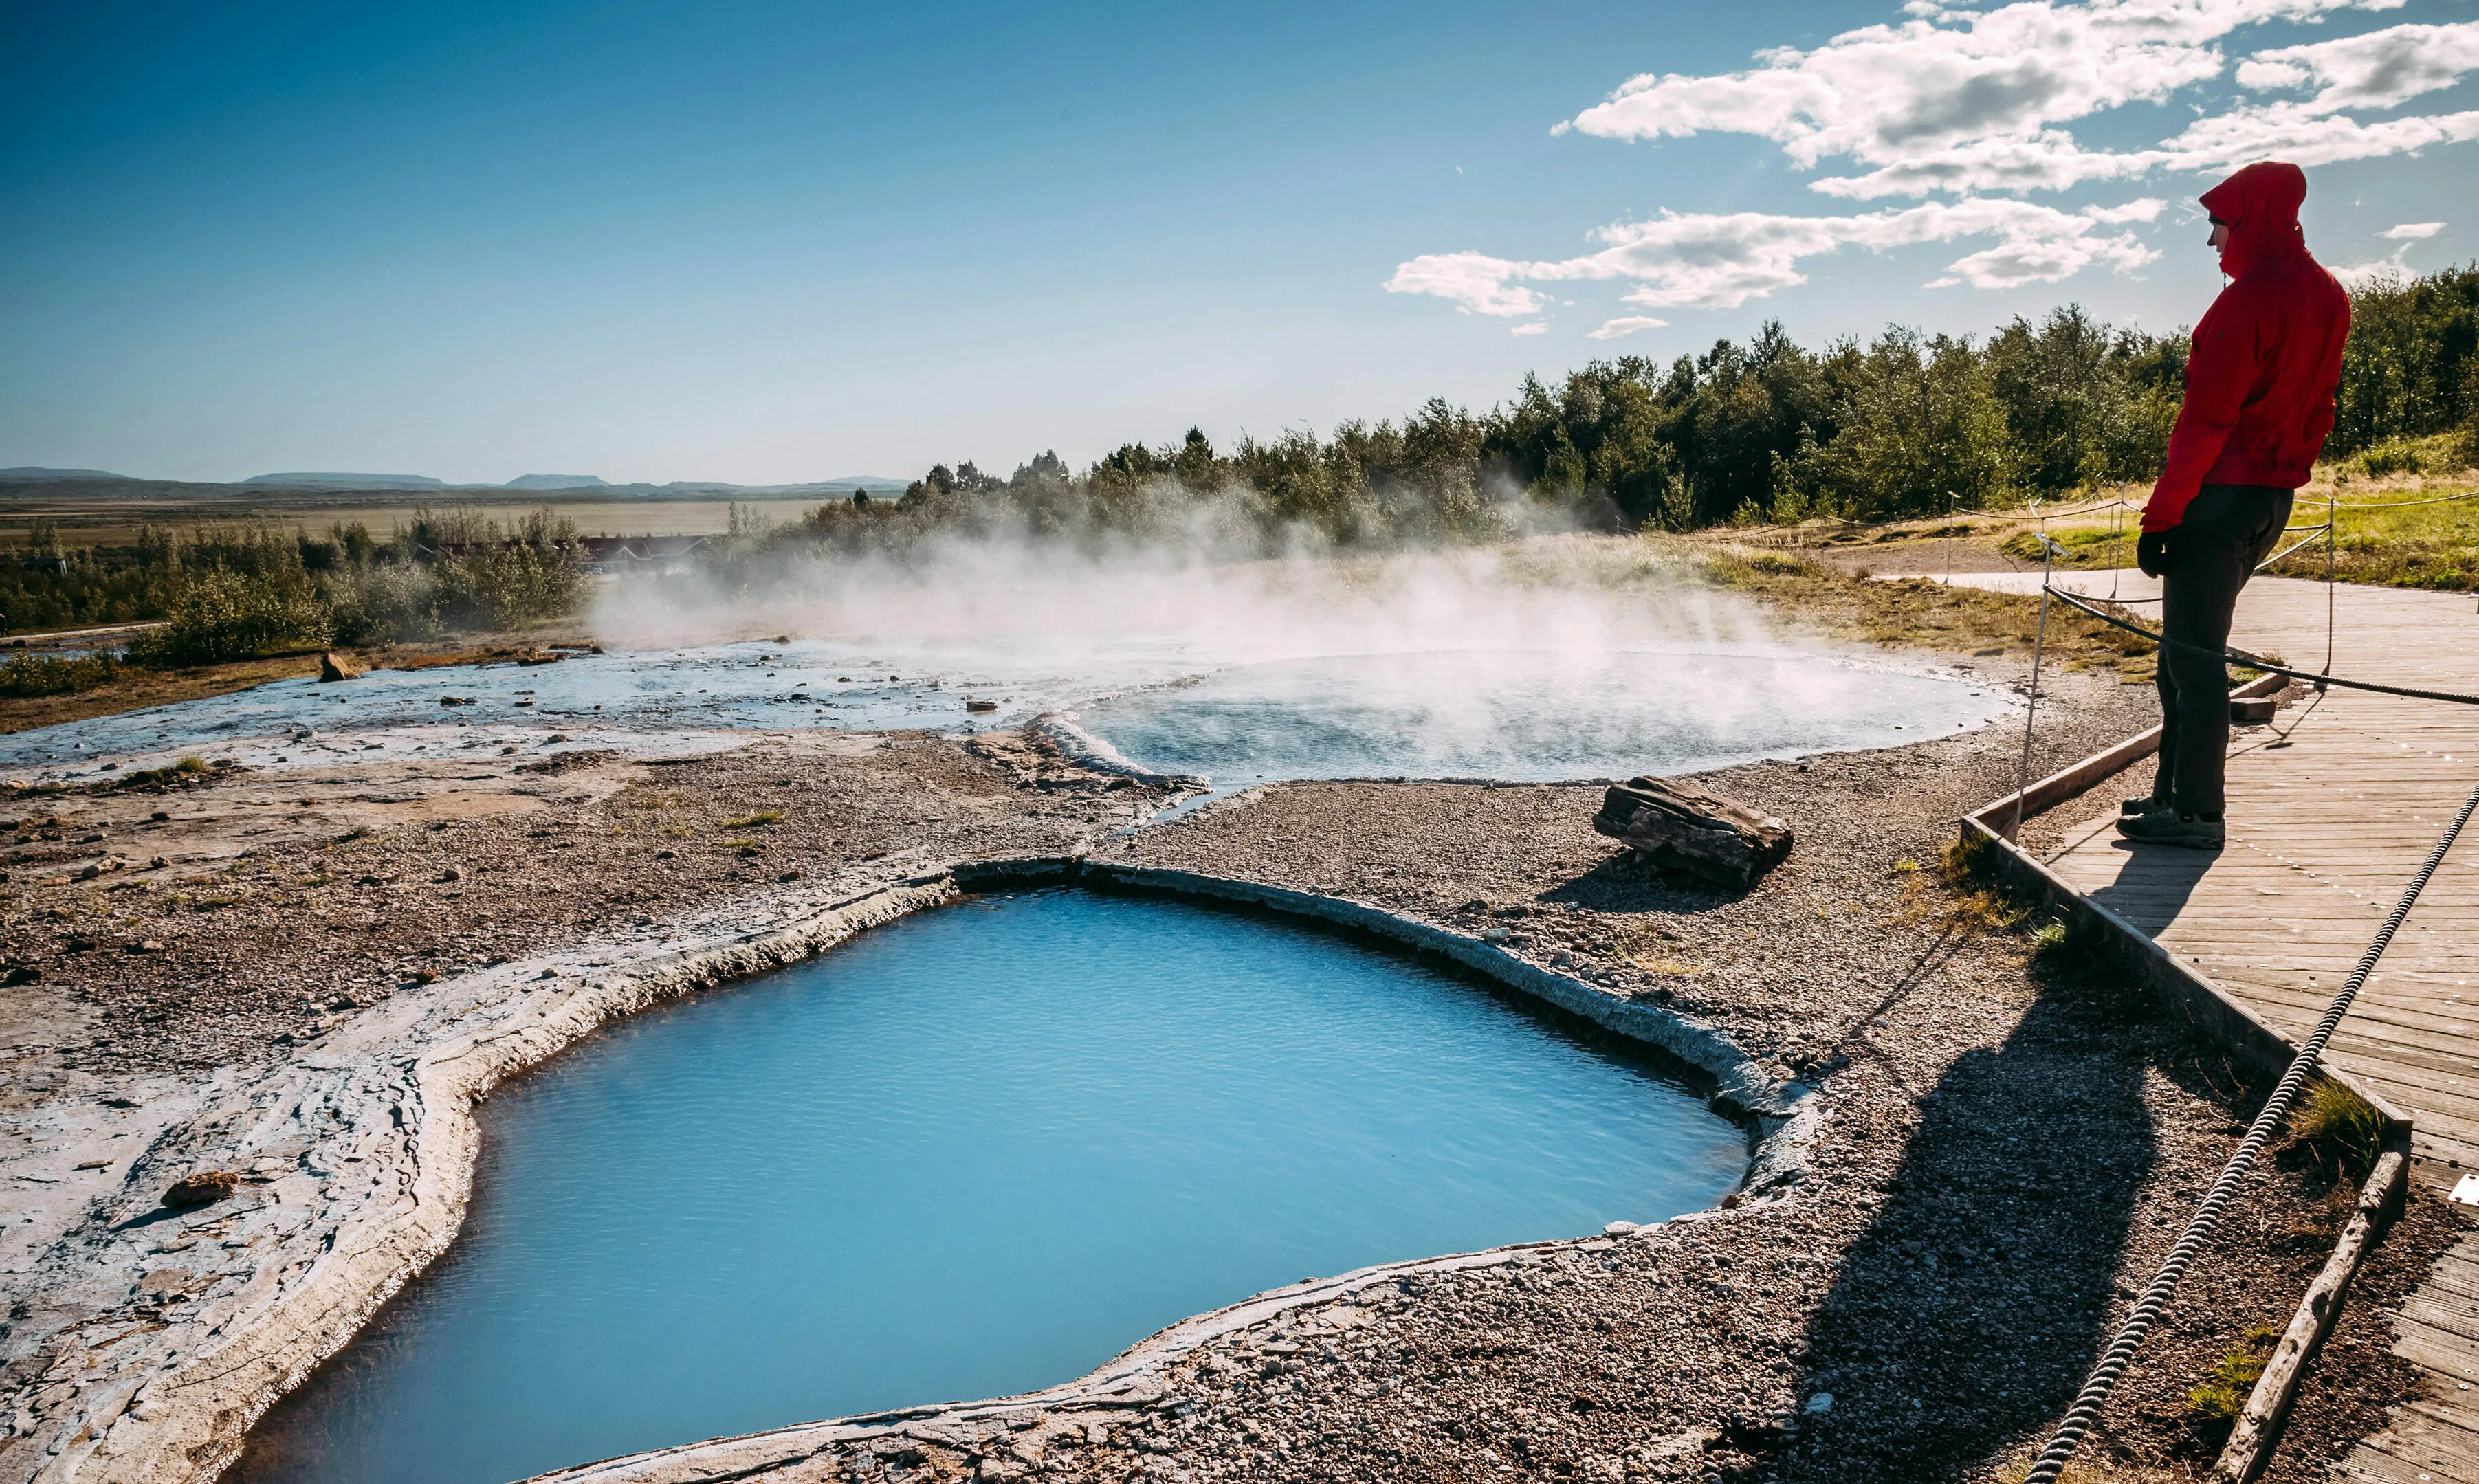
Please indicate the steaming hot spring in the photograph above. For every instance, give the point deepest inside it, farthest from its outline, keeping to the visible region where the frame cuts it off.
(1429, 667)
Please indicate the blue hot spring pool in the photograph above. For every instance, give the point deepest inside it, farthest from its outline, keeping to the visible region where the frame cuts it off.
(975, 1152)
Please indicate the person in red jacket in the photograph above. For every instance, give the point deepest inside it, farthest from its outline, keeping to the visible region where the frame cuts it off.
(2260, 382)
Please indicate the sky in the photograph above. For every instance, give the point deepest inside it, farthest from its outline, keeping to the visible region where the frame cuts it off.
(772, 243)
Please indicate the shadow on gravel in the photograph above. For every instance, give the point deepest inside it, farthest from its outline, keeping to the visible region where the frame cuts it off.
(1623, 884)
(1963, 1319)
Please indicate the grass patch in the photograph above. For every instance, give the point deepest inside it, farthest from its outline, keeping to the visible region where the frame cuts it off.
(144, 778)
(1922, 613)
(2337, 1129)
(749, 821)
(1977, 901)
(2433, 547)
(2084, 545)
(2223, 1396)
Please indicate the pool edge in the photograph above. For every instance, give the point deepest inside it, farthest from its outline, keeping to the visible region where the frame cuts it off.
(184, 1410)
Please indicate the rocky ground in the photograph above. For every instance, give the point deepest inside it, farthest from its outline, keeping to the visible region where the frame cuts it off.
(2009, 1142)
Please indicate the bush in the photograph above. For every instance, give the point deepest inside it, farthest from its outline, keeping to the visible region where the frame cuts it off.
(49, 675)
(504, 587)
(384, 604)
(224, 616)
(2437, 453)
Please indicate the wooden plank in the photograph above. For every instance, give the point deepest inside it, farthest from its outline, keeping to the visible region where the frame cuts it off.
(2377, 1465)
(2448, 1355)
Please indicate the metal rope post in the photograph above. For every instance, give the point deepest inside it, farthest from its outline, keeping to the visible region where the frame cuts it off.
(2164, 1284)
(2331, 507)
(1949, 537)
(2032, 701)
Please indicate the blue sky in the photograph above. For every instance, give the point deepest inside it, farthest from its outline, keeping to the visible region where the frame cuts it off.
(770, 241)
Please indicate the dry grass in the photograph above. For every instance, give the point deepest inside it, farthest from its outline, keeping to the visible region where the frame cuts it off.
(1964, 893)
(2338, 1129)
(138, 688)
(1923, 614)
(749, 821)
(1650, 948)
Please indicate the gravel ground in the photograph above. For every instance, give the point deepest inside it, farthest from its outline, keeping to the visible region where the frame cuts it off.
(2008, 1144)
(281, 896)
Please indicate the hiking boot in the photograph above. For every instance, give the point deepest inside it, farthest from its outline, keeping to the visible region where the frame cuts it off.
(2168, 827)
(2129, 808)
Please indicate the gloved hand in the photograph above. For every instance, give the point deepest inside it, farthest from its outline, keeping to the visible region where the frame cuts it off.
(2152, 552)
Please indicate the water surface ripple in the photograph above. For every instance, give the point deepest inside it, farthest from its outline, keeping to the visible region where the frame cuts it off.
(972, 1153)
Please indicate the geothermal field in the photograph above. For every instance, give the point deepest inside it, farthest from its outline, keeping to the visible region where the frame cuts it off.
(1047, 1013)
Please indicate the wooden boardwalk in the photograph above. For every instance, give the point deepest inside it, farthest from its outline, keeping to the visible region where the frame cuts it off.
(2332, 809)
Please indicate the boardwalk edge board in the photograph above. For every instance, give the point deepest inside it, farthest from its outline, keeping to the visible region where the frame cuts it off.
(2259, 1426)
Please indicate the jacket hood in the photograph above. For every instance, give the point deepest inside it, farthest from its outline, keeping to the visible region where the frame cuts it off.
(2260, 204)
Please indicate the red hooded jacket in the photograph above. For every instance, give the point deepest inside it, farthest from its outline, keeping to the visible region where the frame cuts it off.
(2266, 357)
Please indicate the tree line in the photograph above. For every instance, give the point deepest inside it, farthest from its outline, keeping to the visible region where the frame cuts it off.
(1768, 431)
(231, 589)
(1771, 431)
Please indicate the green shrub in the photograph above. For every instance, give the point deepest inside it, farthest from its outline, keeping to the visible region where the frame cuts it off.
(2437, 454)
(504, 587)
(224, 616)
(51, 675)
(146, 777)
(384, 604)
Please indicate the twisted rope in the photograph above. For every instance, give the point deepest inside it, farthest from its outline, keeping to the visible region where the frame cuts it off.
(2239, 656)
(2155, 1299)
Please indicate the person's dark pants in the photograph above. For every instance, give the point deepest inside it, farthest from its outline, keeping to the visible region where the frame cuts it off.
(2228, 529)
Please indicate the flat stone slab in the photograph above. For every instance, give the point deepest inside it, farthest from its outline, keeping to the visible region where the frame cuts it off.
(1687, 829)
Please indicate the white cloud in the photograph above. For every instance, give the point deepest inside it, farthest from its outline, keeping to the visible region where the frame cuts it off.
(1969, 109)
(1536, 327)
(2378, 69)
(1627, 324)
(1722, 261)
(1476, 283)
(1969, 102)
(2358, 276)
(2296, 133)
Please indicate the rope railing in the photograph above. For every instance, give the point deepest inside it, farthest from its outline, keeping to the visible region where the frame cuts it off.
(2155, 1299)
(2314, 532)
(2238, 656)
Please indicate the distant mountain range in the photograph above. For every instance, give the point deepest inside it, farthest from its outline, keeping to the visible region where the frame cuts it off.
(547, 484)
(37, 471)
(351, 481)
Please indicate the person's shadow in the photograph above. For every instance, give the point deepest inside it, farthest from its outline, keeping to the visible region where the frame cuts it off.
(1963, 1319)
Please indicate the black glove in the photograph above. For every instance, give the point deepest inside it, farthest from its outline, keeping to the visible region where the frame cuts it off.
(2152, 552)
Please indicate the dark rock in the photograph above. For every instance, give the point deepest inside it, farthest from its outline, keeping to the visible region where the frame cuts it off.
(1678, 827)
(203, 1188)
